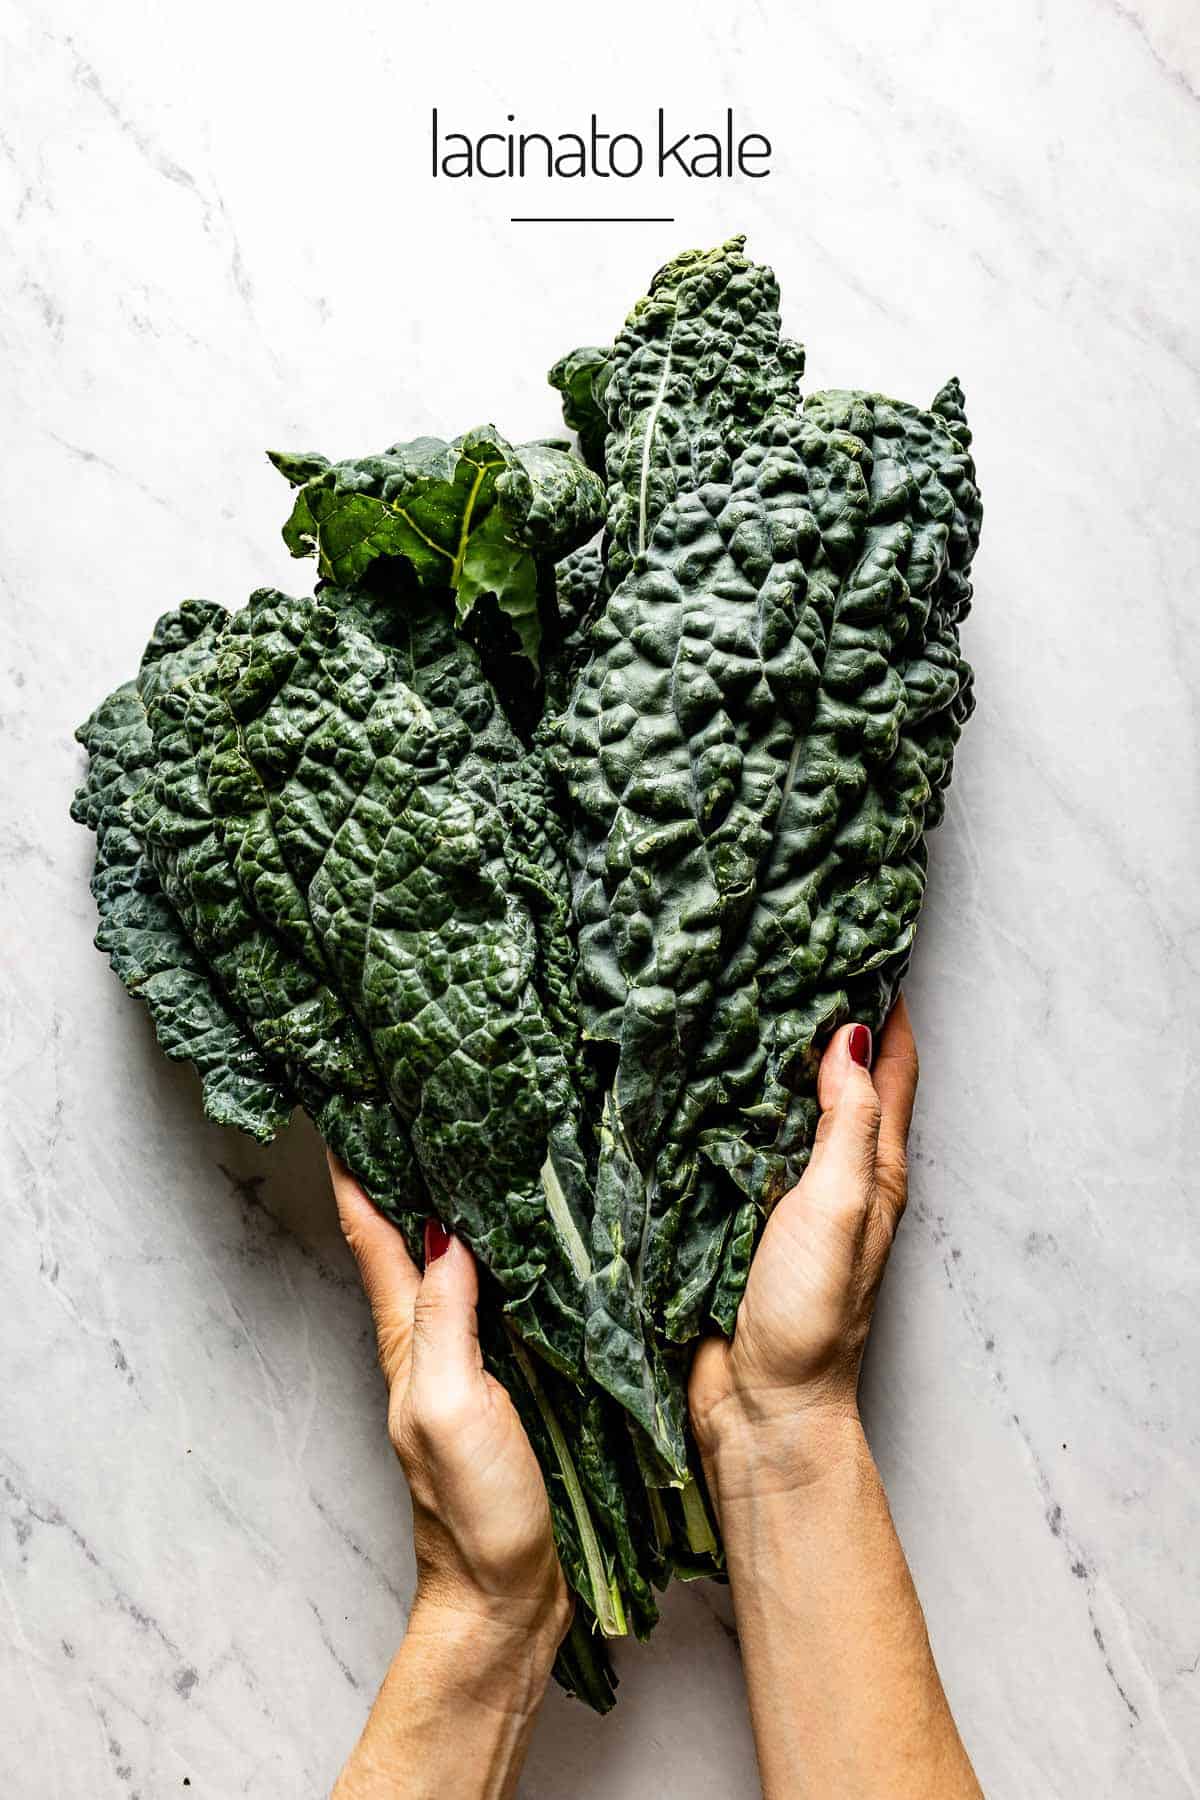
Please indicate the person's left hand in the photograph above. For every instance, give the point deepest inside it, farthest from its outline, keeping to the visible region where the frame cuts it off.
(481, 1520)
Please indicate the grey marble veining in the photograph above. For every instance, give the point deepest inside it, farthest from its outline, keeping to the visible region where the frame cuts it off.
(220, 234)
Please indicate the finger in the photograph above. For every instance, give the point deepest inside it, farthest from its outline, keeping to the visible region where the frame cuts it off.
(848, 1130)
(446, 1361)
(896, 1075)
(389, 1275)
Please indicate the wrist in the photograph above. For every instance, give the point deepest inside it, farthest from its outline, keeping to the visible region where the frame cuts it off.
(780, 1442)
(526, 1598)
(455, 1708)
(502, 1656)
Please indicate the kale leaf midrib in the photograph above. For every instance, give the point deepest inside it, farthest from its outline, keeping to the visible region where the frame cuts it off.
(648, 435)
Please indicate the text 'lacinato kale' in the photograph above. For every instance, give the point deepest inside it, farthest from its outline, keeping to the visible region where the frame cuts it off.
(513, 154)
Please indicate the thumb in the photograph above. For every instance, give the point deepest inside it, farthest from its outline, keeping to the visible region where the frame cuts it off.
(848, 1132)
(446, 1360)
(388, 1273)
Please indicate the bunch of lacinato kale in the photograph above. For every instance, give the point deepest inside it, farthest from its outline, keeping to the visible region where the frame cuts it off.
(538, 875)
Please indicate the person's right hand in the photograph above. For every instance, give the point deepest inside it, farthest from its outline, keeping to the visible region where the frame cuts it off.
(491, 1607)
(803, 1321)
(481, 1520)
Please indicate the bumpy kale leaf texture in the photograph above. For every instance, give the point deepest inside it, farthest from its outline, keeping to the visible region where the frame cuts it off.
(538, 869)
(753, 751)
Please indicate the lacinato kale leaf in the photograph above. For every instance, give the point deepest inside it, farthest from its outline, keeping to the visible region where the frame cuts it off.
(700, 361)
(576, 376)
(141, 933)
(753, 753)
(475, 517)
(681, 746)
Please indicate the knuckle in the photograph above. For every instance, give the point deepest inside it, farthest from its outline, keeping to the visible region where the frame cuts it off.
(424, 1425)
(858, 1109)
(856, 1117)
(844, 1197)
(438, 1417)
(824, 1129)
(428, 1308)
(867, 1105)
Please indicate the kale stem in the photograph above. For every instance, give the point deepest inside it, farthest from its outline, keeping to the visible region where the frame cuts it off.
(564, 1224)
(585, 1670)
(606, 1599)
(658, 1515)
(696, 1522)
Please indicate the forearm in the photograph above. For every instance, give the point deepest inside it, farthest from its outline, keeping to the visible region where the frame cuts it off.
(844, 1693)
(455, 1712)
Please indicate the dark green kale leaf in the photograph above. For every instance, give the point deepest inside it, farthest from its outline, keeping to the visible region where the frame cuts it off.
(306, 819)
(753, 753)
(699, 363)
(474, 517)
(218, 868)
(679, 750)
(582, 588)
(141, 933)
(579, 377)
(512, 786)
(334, 855)
(847, 871)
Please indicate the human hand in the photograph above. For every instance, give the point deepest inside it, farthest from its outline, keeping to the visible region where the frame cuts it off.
(821, 1591)
(803, 1322)
(481, 1520)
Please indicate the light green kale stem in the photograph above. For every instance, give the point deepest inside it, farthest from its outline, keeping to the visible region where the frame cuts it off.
(606, 1593)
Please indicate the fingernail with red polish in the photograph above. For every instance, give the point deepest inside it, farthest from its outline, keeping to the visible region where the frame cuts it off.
(437, 1240)
(860, 1045)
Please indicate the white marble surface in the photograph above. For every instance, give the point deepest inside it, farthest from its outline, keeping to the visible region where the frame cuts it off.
(220, 234)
